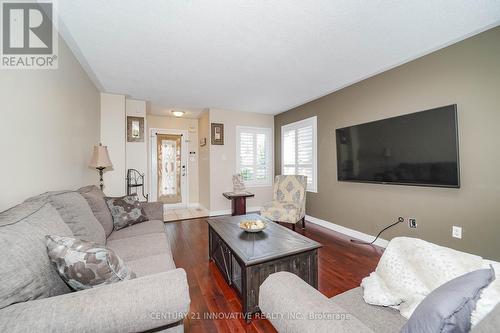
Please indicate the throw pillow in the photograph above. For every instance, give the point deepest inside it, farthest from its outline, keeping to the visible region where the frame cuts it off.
(84, 265)
(126, 211)
(448, 308)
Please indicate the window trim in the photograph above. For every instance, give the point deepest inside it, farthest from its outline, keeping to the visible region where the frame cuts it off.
(311, 121)
(269, 157)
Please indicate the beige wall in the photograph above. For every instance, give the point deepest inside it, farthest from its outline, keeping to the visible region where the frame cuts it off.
(113, 136)
(164, 122)
(468, 74)
(49, 124)
(204, 160)
(223, 158)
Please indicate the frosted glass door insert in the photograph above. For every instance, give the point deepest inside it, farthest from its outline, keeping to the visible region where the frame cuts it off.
(169, 168)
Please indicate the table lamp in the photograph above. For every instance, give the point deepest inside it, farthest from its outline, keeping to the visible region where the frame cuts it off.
(100, 161)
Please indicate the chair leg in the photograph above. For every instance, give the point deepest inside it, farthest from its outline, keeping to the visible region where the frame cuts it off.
(304, 223)
(293, 226)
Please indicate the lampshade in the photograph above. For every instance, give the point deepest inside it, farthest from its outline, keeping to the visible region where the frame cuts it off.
(100, 158)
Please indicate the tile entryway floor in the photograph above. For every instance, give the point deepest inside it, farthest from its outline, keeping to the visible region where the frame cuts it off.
(174, 214)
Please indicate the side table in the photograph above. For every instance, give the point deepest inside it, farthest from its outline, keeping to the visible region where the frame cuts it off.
(238, 201)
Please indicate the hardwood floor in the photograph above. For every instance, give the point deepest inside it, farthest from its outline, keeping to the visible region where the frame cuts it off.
(215, 307)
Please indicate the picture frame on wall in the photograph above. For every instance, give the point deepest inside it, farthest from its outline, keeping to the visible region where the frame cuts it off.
(217, 134)
(135, 129)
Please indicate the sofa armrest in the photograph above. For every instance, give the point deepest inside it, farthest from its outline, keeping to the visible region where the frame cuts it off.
(154, 210)
(135, 305)
(292, 305)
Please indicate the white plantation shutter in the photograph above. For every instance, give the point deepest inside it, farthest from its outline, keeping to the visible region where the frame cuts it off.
(261, 156)
(247, 151)
(298, 146)
(253, 151)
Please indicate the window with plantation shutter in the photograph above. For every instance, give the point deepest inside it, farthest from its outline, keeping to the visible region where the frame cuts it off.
(299, 150)
(254, 155)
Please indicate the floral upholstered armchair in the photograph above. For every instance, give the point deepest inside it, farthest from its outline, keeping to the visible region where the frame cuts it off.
(289, 200)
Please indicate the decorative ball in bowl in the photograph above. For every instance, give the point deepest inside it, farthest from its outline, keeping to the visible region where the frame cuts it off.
(253, 225)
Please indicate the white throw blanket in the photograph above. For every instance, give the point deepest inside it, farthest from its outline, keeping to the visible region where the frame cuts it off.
(411, 268)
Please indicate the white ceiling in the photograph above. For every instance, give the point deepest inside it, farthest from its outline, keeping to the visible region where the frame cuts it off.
(167, 111)
(257, 55)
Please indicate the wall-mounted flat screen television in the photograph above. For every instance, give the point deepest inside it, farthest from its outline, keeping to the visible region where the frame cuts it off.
(414, 149)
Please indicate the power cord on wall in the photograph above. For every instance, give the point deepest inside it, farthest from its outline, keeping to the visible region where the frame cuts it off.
(400, 220)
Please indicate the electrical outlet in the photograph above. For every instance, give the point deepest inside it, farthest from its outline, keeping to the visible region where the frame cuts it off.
(412, 222)
(456, 232)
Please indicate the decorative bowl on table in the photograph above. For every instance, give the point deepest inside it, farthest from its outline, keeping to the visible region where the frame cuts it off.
(253, 225)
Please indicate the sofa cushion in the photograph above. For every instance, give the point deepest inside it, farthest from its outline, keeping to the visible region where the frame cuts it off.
(144, 228)
(26, 272)
(76, 212)
(126, 211)
(379, 319)
(154, 210)
(85, 265)
(140, 246)
(152, 264)
(95, 199)
(448, 308)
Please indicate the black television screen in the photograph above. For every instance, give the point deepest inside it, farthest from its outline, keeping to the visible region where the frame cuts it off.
(414, 149)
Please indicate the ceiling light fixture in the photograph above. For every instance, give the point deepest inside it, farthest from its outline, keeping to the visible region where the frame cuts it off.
(177, 113)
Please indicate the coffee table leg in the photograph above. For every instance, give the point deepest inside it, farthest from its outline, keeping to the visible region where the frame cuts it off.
(244, 295)
(210, 243)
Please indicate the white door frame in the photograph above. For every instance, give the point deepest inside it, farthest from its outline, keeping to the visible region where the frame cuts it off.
(153, 180)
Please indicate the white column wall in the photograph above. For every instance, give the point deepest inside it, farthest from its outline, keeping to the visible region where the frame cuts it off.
(136, 152)
(113, 135)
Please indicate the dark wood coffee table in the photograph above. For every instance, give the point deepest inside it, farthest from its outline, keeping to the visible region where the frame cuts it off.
(247, 259)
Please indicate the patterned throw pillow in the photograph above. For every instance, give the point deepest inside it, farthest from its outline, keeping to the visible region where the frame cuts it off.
(85, 265)
(126, 211)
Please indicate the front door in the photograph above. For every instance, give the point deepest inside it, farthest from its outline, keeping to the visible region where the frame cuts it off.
(171, 169)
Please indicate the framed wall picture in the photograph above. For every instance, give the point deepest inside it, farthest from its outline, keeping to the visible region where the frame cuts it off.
(217, 134)
(135, 129)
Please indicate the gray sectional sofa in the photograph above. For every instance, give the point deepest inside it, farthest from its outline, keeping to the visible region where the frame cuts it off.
(34, 298)
(293, 306)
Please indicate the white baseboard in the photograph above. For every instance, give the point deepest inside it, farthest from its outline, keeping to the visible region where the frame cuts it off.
(220, 212)
(347, 231)
(228, 211)
(180, 206)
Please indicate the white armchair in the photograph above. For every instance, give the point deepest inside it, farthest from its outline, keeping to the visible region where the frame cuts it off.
(289, 200)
